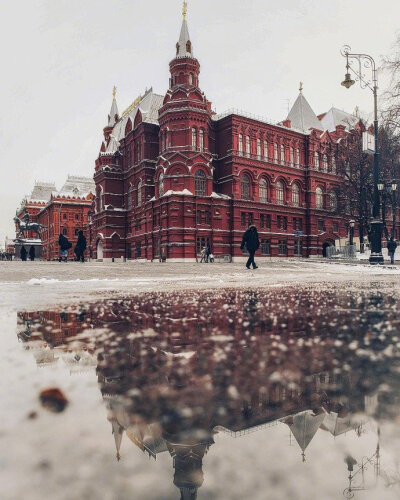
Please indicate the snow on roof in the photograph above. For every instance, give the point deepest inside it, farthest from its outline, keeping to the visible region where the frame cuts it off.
(302, 116)
(171, 192)
(42, 191)
(77, 186)
(335, 117)
(149, 105)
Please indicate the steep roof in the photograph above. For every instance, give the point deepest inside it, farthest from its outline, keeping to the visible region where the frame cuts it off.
(335, 117)
(304, 426)
(302, 116)
(148, 105)
(42, 191)
(77, 186)
(184, 38)
(113, 112)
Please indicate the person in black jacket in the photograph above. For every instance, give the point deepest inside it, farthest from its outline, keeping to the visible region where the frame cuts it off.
(32, 253)
(80, 247)
(391, 246)
(23, 253)
(252, 243)
(65, 245)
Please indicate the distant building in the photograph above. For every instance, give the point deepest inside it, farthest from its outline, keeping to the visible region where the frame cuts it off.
(64, 211)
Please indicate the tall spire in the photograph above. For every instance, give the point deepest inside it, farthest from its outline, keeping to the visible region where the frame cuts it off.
(184, 46)
(113, 116)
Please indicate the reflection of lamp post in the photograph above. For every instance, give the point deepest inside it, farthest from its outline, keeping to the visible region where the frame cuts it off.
(366, 61)
(389, 190)
(352, 224)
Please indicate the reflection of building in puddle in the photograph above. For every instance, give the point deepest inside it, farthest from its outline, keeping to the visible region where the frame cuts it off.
(175, 369)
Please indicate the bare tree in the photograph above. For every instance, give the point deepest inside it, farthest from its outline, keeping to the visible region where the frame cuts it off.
(391, 65)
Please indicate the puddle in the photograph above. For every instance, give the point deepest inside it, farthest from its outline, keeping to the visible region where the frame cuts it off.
(283, 393)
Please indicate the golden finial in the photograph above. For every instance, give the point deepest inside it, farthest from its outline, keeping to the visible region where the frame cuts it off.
(114, 91)
(301, 86)
(184, 10)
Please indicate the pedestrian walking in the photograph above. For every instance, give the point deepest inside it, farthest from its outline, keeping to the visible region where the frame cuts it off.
(252, 243)
(65, 245)
(32, 253)
(23, 253)
(391, 246)
(208, 252)
(80, 247)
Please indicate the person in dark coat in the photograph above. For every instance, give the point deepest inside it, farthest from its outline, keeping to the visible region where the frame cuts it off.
(32, 253)
(80, 247)
(391, 246)
(252, 243)
(65, 245)
(23, 253)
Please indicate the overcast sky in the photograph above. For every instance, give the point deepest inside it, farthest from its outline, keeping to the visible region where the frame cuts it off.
(61, 58)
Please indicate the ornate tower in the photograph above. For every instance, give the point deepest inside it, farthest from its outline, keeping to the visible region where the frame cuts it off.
(185, 126)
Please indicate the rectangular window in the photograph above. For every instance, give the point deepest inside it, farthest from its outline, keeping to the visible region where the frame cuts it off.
(321, 225)
(243, 219)
(250, 218)
(298, 247)
(266, 150)
(248, 145)
(262, 220)
(268, 221)
(138, 250)
(265, 247)
(207, 217)
(65, 232)
(199, 218)
(282, 247)
(259, 149)
(279, 222)
(285, 223)
(335, 227)
(240, 147)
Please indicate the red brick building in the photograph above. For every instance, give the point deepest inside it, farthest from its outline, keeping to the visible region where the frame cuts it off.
(65, 211)
(173, 176)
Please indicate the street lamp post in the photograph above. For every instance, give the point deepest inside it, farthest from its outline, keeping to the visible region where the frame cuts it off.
(366, 61)
(352, 224)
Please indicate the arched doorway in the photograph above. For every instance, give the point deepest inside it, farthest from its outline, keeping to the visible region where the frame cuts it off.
(100, 250)
(325, 247)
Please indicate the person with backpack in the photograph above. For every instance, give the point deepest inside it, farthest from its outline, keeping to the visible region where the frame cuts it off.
(65, 245)
(252, 243)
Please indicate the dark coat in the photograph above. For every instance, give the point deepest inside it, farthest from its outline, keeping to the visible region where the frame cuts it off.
(23, 253)
(32, 253)
(391, 246)
(81, 243)
(64, 243)
(250, 239)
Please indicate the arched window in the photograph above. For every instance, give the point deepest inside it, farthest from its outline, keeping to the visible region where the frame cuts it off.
(325, 163)
(240, 144)
(280, 196)
(129, 200)
(333, 201)
(139, 194)
(266, 150)
(291, 157)
(194, 138)
(297, 157)
(201, 139)
(276, 152)
(191, 78)
(319, 198)
(161, 185)
(245, 187)
(259, 149)
(247, 145)
(263, 187)
(316, 160)
(282, 154)
(200, 183)
(295, 195)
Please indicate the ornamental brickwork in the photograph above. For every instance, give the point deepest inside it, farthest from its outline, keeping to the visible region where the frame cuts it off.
(172, 176)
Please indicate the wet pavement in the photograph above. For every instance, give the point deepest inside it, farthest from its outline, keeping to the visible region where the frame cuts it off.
(207, 395)
(282, 391)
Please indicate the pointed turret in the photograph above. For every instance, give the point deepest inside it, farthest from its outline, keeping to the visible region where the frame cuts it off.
(301, 116)
(113, 116)
(184, 46)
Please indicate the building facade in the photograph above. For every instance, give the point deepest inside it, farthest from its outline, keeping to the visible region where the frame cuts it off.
(59, 212)
(172, 176)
